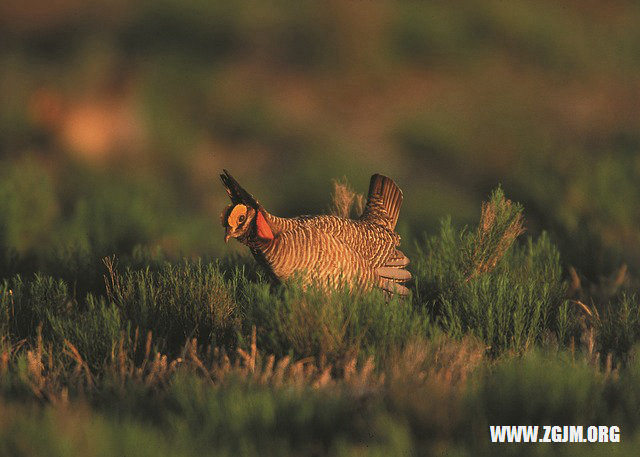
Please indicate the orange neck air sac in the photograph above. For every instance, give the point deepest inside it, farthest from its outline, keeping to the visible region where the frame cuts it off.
(264, 231)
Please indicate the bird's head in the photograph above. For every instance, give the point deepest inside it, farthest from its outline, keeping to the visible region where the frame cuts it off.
(244, 219)
(238, 221)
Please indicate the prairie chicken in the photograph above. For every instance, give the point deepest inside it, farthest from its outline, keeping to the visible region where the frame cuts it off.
(326, 250)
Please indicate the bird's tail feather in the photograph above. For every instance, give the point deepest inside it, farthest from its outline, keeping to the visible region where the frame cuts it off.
(383, 203)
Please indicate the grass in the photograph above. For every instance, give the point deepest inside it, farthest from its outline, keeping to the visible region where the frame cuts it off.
(127, 326)
(202, 356)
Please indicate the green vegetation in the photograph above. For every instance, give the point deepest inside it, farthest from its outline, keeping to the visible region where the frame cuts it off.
(475, 284)
(202, 356)
(128, 327)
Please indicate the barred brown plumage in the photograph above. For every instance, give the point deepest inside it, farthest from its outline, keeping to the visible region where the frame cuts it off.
(324, 249)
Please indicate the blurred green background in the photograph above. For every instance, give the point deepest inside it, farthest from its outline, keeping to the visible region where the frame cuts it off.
(116, 117)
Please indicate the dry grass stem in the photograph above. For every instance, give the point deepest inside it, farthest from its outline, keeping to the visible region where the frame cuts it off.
(345, 201)
(500, 224)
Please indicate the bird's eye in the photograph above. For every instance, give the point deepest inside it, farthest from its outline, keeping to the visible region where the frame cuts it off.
(242, 218)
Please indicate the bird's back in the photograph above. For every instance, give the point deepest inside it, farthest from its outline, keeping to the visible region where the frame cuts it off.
(330, 249)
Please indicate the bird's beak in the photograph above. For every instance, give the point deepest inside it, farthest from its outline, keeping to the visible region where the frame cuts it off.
(227, 235)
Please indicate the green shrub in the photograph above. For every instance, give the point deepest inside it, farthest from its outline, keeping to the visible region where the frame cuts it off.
(24, 305)
(475, 282)
(617, 325)
(94, 330)
(313, 322)
(176, 302)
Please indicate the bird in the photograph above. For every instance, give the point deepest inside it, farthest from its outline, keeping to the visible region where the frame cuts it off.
(326, 250)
